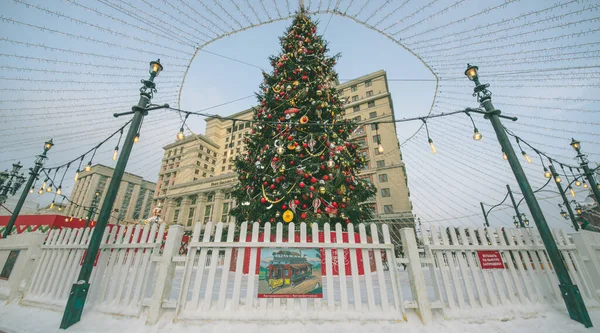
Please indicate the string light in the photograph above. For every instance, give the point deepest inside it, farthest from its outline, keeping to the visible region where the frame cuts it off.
(59, 190)
(181, 135)
(504, 156)
(547, 173)
(136, 138)
(44, 184)
(380, 149)
(428, 137)
(526, 157)
(116, 153)
(88, 167)
(476, 135)
(52, 204)
(585, 185)
(572, 192)
(31, 189)
(41, 191)
(379, 146)
(79, 168)
(557, 178)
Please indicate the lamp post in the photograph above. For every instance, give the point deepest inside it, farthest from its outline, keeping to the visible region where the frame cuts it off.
(564, 197)
(589, 174)
(92, 208)
(80, 289)
(516, 207)
(570, 292)
(33, 174)
(10, 182)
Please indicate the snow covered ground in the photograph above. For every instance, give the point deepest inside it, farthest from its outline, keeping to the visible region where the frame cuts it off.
(16, 319)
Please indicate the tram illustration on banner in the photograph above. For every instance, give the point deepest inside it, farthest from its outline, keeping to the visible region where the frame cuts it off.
(290, 273)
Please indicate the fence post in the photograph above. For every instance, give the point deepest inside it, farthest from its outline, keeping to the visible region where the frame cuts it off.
(415, 275)
(166, 270)
(588, 246)
(24, 264)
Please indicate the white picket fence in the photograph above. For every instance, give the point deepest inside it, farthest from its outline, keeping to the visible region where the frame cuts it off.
(528, 277)
(124, 266)
(225, 292)
(137, 273)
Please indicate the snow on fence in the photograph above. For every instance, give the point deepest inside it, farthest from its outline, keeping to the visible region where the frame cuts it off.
(525, 273)
(123, 267)
(227, 292)
(588, 244)
(17, 255)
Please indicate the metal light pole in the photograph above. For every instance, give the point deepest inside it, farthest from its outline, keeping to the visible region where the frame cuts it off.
(92, 209)
(487, 223)
(80, 289)
(521, 224)
(564, 197)
(570, 291)
(33, 174)
(10, 182)
(589, 174)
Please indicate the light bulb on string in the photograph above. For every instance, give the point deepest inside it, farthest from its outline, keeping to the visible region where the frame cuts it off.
(59, 190)
(504, 156)
(88, 167)
(572, 192)
(476, 135)
(547, 173)
(115, 153)
(180, 134)
(41, 191)
(380, 149)
(557, 179)
(77, 175)
(526, 157)
(31, 189)
(577, 183)
(136, 138)
(44, 184)
(52, 204)
(432, 146)
(585, 185)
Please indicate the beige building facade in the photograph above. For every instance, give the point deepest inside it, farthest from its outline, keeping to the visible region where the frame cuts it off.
(197, 173)
(134, 199)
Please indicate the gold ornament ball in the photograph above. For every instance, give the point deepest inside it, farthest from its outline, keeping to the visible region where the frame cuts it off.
(322, 190)
(343, 216)
(282, 169)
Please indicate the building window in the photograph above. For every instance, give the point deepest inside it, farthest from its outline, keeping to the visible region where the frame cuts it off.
(205, 166)
(212, 169)
(138, 204)
(368, 83)
(190, 218)
(372, 115)
(359, 130)
(222, 168)
(204, 174)
(370, 93)
(381, 164)
(376, 139)
(193, 200)
(371, 104)
(210, 198)
(207, 213)
(341, 92)
(197, 172)
(362, 142)
(198, 163)
(385, 192)
(388, 209)
(125, 203)
(175, 216)
(353, 88)
(225, 213)
(356, 108)
(354, 98)
(373, 127)
(383, 178)
(357, 118)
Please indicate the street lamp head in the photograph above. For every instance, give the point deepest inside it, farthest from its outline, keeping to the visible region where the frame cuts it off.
(575, 144)
(155, 67)
(3, 176)
(48, 144)
(471, 72)
(16, 167)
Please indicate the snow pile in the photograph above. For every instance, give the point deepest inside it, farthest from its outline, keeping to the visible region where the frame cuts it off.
(22, 319)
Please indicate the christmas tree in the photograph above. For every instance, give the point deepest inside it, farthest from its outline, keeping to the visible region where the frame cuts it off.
(301, 164)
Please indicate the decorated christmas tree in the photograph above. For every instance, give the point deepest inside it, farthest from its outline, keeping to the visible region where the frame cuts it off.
(301, 164)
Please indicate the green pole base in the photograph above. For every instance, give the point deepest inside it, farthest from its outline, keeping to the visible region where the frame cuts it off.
(575, 304)
(75, 304)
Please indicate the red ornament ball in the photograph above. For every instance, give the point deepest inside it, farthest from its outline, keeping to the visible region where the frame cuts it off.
(303, 216)
(301, 185)
(263, 200)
